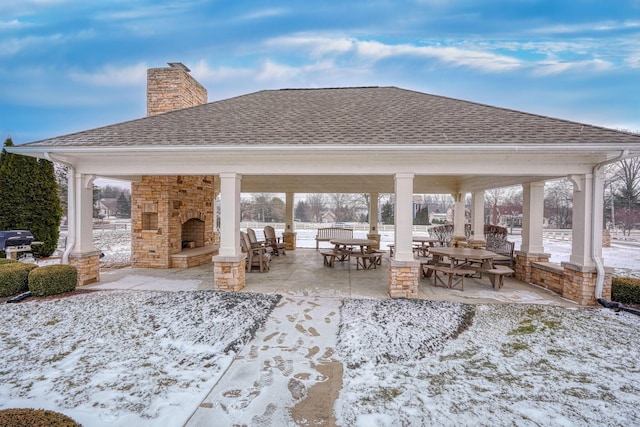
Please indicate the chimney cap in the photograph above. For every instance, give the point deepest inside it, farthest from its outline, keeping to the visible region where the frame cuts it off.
(178, 65)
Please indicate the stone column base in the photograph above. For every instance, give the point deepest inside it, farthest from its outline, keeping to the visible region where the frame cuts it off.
(523, 264)
(580, 284)
(289, 237)
(376, 237)
(229, 273)
(88, 266)
(403, 279)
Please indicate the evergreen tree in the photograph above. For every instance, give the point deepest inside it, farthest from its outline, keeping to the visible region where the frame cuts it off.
(386, 213)
(29, 198)
(302, 211)
(124, 206)
(422, 217)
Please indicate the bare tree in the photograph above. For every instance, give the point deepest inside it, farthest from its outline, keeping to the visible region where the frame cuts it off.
(558, 203)
(317, 205)
(627, 177)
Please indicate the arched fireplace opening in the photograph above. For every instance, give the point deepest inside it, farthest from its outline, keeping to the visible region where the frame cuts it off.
(193, 233)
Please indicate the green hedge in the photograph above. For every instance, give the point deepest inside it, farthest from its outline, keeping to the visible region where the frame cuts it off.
(14, 278)
(35, 417)
(7, 261)
(53, 279)
(625, 290)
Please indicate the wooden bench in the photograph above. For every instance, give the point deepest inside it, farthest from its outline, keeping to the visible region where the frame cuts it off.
(504, 249)
(367, 260)
(329, 258)
(496, 275)
(329, 233)
(454, 276)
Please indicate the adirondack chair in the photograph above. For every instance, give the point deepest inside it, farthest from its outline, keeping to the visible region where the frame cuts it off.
(274, 242)
(256, 257)
(255, 243)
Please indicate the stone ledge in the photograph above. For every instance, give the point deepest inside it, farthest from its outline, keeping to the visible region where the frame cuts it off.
(550, 267)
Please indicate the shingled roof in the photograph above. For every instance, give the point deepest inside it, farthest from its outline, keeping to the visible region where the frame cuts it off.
(341, 116)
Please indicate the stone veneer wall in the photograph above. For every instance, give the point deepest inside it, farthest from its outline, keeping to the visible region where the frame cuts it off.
(175, 200)
(548, 275)
(229, 274)
(172, 88)
(88, 266)
(575, 283)
(403, 279)
(580, 283)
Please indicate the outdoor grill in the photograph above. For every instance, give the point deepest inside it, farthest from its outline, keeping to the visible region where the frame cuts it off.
(12, 238)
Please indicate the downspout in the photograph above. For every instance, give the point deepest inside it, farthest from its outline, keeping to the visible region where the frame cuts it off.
(71, 206)
(595, 228)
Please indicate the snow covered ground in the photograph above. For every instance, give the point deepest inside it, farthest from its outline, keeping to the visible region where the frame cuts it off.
(521, 365)
(123, 358)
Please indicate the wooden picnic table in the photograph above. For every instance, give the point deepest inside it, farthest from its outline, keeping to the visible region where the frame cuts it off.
(465, 262)
(366, 257)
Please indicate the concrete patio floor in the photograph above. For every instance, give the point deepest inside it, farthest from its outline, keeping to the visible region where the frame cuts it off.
(301, 273)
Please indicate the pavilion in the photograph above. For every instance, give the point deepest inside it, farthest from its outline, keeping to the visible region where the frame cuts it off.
(372, 140)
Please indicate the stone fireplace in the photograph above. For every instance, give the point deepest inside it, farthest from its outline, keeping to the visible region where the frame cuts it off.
(193, 233)
(172, 221)
(172, 216)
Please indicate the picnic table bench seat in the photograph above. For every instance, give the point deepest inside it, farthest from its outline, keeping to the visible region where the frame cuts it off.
(496, 275)
(367, 260)
(329, 233)
(454, 276)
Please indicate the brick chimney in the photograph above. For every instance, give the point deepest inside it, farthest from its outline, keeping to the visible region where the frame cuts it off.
(172, 88)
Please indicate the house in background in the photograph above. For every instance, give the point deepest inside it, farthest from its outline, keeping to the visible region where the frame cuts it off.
(340, 140)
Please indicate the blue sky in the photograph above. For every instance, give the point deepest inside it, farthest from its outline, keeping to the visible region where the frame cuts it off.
(71, 65)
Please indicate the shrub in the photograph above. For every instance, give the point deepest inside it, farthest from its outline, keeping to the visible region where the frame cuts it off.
(14, 278)
(7, 261)
(35, 417)
(625, 290)
(52, 280)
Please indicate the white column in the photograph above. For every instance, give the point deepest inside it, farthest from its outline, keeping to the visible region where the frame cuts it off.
(532, 217)
(582, 217)
(477, 215)
(373, 213)
(83, 214)
(289, 209)
(404, 217)
(458, 216)
(230, 214)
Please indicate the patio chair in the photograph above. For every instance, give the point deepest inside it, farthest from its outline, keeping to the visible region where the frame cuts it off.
(255, 243)
(274, 242)
(256, 257)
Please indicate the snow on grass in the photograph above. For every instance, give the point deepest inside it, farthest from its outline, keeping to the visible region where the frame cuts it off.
(124, 357)
(515, 365)
(423, 328)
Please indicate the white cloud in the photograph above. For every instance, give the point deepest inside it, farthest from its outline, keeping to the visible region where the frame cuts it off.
(319, 46)
(274, 71)
(548, 67)
(14, 45)
(478, 59)
(113, 75)
(13, 24)
(265, 13)
(316, 45)
(202, 72)
(587, 27)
